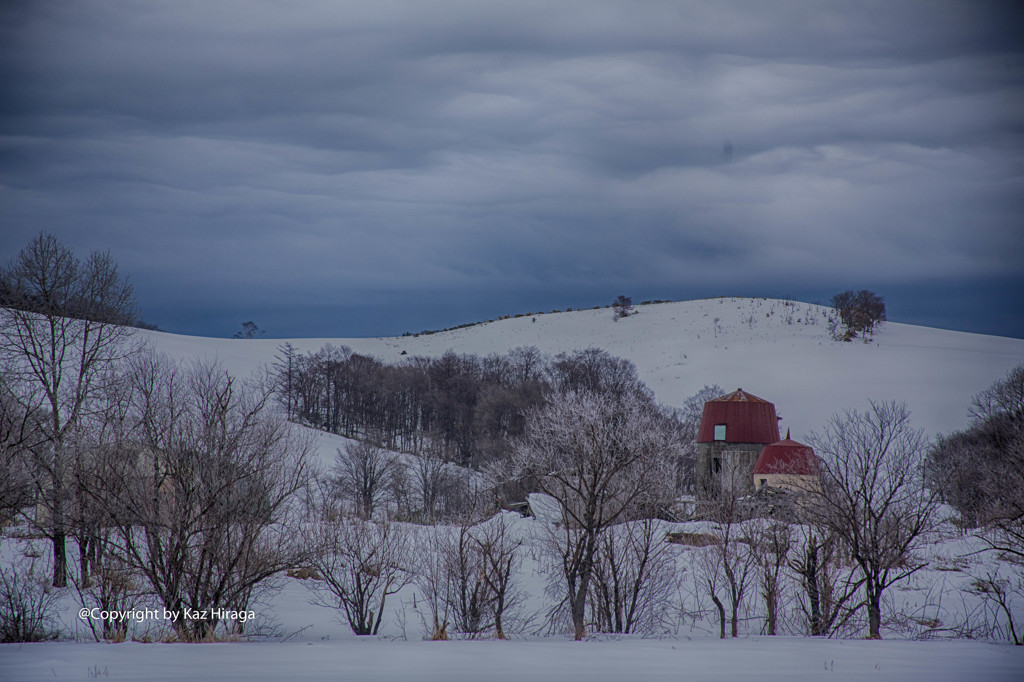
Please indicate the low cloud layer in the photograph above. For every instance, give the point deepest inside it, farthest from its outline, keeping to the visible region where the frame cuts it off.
(302, 164)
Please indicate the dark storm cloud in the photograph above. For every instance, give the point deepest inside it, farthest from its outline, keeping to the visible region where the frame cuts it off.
(239, 157)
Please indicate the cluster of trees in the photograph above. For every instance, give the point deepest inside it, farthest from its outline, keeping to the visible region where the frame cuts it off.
(359, 556)
(178, 483)
(460, 408)
(606, 457)
(62, 331)
(370, 482)
(980, 472)
(857, 312)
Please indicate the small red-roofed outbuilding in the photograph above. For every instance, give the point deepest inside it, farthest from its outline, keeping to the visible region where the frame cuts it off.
(787, 464)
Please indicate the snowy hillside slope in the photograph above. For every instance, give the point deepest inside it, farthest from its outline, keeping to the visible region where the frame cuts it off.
(778, 350)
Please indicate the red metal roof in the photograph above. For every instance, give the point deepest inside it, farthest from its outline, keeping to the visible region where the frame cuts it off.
(787, 457)
(747, 419)
(738, 396)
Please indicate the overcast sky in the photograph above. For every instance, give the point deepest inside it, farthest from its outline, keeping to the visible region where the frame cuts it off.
(369, 168)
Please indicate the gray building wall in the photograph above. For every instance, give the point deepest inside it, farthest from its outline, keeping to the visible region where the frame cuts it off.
(726, 464)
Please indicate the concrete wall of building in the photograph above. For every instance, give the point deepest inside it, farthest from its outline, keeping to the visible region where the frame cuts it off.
(722, 465)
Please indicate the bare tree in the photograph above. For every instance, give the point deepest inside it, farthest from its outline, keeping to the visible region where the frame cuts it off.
(363, 473)
(212, 489)
(710, 576)
(431, 478)
(468, 577)
(360, 564)
(434, 577)
(829, 589)
(63, 324)
(872, 496)
(604, 460)
(623, 307)
(634, 578)
(467, 593)
(102, 442)
(1000, 592)
(770, 544)
(593, 370)
(19, 436)
(500, 559)
(287, 365)
(688, 417)
(249, 330)
(28, 608)
(729, 562)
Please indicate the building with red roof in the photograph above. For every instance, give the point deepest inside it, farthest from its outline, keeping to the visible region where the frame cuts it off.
(787, 465)
(734, 429)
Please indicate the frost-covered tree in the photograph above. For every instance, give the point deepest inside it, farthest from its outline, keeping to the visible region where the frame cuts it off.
(605, 460)
(980, 470)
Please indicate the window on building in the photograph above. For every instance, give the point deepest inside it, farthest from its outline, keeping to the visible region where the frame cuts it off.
(763, 481)
(717, 465)
(719, 431)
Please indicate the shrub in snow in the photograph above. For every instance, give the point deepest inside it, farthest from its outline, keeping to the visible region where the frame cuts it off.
(26, 604)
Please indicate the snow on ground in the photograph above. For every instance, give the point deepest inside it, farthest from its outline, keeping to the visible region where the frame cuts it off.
(778, 350)
(311, 642)
(757, 658)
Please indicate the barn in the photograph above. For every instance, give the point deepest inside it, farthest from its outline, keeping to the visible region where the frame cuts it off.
(734, 429)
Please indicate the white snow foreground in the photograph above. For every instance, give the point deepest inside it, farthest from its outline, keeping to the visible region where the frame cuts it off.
(759, 658)
(310, 642)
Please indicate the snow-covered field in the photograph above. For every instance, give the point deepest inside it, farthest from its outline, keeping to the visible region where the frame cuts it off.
(312, 643)
(760, 658)
(778, 350)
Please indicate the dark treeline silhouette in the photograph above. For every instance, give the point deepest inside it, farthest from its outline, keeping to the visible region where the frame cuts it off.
(464, 408)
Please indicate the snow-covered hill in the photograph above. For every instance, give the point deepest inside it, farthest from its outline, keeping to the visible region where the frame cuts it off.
(778, 350)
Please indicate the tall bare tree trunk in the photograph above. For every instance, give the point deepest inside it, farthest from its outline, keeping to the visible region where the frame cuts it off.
(60, 560)
(874, 612)
(721, 615)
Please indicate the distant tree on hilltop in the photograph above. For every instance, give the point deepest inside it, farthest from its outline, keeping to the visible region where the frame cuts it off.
(623, 306)
(858, 312)
(249, 330)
